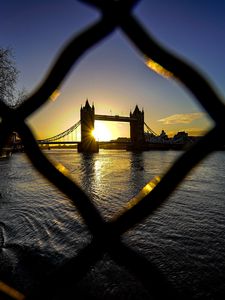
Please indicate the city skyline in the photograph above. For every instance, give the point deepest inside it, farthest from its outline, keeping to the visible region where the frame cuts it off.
(113, 75)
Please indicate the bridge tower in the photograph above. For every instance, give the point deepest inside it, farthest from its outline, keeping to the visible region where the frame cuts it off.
(137, 129)
(88, 143)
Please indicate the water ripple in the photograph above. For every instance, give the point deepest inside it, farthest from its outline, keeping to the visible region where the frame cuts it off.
(40, 228)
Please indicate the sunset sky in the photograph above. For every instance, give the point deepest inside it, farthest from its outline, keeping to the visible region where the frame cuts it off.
(113, 75)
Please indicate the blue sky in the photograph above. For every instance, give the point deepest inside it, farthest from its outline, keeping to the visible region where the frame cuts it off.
(113, 75)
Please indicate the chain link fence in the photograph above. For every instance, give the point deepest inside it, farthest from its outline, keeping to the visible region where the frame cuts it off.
(106, 236)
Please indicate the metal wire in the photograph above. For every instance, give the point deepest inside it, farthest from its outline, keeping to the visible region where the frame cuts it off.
(106, 235)
(60, 135)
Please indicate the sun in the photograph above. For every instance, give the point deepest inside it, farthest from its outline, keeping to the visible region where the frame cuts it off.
(101, 132)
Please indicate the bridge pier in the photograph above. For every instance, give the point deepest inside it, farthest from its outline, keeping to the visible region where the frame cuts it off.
(90, 146)
(88, 143)
(137, 130)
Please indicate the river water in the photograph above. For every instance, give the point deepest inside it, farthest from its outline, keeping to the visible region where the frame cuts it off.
(185, 238)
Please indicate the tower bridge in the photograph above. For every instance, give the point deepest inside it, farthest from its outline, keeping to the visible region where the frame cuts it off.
(88, 144)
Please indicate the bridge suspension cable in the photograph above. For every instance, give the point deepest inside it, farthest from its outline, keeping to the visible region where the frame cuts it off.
(73, 128)
(60, 135)
(150, 130)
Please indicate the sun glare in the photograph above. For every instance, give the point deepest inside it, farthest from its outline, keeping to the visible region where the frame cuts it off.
(101, 132)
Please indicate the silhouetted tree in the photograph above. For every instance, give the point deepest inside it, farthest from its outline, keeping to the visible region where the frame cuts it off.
(20, 97)
(8, 78)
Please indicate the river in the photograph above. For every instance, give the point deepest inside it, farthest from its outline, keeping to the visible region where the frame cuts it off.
(40, 227)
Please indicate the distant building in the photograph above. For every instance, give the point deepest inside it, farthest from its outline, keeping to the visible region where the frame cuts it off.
(181, 138)
(122, 139)
(159, 139)
(163, 136)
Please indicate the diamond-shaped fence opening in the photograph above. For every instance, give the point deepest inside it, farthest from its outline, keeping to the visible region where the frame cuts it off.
(106, 235)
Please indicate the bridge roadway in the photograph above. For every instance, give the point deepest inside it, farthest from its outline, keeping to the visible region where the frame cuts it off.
(115, 118)
(57, 143)
(76, 142)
